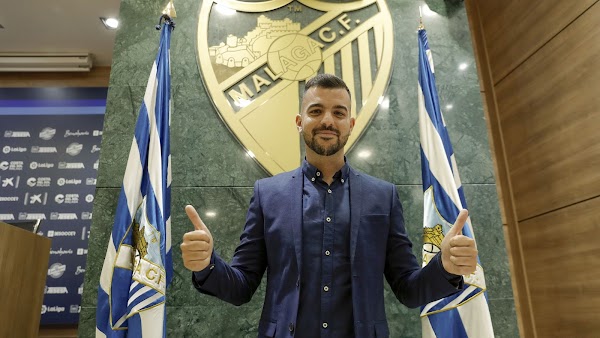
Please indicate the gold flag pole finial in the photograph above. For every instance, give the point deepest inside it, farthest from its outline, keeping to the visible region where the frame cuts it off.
(421, 26)
(170, 10)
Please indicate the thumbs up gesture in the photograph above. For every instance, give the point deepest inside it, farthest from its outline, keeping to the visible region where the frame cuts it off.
(459, 252)
(197, 246)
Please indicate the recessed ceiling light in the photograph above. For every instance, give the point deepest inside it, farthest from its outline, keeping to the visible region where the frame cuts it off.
(110, 23)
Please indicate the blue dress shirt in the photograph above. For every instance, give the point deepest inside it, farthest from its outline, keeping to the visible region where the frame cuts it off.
(325, 284)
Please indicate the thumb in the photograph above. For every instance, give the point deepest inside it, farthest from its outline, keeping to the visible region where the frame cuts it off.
(460, 223)
(195, 218)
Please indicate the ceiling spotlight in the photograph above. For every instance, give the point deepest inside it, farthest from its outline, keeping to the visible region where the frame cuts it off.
(110, 23)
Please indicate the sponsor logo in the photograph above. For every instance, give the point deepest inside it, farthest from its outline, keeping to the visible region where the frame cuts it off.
(57, 309)
(39, 181)
(56, 270)
(55, 233)
(28, 216)
(89, 198)
(56, 290)
(79, 270)
(43, 150)
(80, 289)
(74, 309)
(56, 216)
(86, 215)
(12, 133)
(97, 133)
(85, 233)
(81, 251)
(90, 181)
(61, 252)
(74, 149)
(7, 217)
(71, 165)
(9, 199)
(12, 165)
(76, 133)
(67, 198)
(95, 148)
(8, 150)
(31, 199)
(72, 181)
(39, 165)
(11, 182)
(47, 133)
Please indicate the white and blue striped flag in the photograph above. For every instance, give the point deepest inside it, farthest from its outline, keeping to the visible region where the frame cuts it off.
(464, 314)
(138, 265)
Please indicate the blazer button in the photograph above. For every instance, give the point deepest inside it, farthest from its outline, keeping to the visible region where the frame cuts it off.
(291, 327)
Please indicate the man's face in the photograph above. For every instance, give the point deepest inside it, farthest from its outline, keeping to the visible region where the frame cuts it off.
(325, 121)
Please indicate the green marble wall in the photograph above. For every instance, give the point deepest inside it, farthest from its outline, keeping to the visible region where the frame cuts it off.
(212, 171)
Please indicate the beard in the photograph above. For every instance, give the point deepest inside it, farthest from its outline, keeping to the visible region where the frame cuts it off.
(328, 150)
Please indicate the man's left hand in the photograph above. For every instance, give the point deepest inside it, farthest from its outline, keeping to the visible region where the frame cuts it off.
(459, 252)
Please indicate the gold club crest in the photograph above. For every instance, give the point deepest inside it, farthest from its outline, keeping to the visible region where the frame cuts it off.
(255, 57)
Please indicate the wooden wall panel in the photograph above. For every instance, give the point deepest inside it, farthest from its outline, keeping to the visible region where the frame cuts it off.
(511, 234)
(562, 259)
(97, 77)
(515, 29)
(550, 114)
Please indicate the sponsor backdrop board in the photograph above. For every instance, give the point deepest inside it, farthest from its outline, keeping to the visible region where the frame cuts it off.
(49, 150)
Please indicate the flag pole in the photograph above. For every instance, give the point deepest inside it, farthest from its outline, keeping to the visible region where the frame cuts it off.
(168, 14)
(421, 26)
(170, 10)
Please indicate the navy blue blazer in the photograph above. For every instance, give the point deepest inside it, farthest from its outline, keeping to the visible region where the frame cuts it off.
(272, 241)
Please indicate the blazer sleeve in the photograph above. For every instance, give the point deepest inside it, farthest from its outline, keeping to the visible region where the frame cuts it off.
(412, 285)
(235, 283)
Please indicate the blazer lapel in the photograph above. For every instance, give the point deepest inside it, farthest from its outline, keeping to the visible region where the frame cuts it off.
(355, 210)
(296, 213)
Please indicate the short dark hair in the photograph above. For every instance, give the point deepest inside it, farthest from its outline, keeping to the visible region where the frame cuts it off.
(328, 81)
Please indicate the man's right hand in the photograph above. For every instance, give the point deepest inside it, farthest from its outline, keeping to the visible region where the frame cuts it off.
(197, 246)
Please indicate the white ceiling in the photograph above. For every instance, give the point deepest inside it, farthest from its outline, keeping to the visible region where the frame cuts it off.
(58, 26)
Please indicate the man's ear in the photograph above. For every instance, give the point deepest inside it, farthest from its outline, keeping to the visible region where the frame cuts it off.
(299, 122)
(352, 121)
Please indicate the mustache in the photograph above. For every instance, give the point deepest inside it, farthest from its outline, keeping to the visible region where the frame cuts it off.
(328, 128)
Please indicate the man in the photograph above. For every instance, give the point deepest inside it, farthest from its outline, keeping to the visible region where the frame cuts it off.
(326, 234)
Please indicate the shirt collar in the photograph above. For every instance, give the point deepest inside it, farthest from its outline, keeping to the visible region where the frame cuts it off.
(313, 173)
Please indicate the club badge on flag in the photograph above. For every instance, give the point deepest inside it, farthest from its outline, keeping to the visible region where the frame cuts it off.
(466, 313)
(138, 266)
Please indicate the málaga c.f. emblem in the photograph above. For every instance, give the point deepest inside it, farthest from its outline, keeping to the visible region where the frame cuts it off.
(255, 57)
